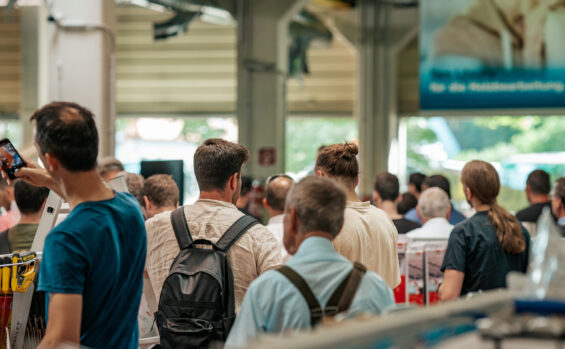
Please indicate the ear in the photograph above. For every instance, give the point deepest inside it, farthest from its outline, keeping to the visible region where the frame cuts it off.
(233, 181)
(356, 181)
(418, 213)
(321, 173)
(148, 203)
(266, 204)
(177, 204)
(53, 163)
(399, 198)
(293, 220)
(468, 194)
(375, 197)
(448, 213)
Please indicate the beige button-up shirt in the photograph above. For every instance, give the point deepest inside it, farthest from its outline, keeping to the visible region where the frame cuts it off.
(253, 254)
(368, 236)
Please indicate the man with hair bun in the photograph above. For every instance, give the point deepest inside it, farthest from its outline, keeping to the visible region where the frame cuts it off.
(433, 209)
(368, 235)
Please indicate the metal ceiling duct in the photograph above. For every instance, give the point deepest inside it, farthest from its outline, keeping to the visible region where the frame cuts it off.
(304, 29)
(186, 11)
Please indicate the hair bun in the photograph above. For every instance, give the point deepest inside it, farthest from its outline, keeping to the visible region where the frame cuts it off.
(350, 150)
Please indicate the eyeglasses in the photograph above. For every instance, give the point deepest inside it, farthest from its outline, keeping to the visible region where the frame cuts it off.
(273, 177)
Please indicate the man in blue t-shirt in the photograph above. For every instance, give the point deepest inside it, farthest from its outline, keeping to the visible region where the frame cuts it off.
(92, 266)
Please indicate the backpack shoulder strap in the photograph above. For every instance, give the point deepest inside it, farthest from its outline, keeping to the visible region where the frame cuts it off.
(342, 297)
(302, 286)
(235, 231)
(180, 227)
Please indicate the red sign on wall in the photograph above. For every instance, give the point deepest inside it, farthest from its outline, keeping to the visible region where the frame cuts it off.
(267, 156)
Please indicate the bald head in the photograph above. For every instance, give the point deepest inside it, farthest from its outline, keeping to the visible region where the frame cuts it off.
(276, 193)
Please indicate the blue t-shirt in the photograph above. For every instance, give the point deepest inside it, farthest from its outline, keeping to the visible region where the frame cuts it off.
(98, 251)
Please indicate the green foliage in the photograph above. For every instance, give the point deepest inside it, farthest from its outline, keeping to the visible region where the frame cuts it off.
(418, 134)
(546, 137)
(305, 135)
(199, 129)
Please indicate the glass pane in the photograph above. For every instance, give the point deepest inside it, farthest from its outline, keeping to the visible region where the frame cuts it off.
(514, 145)
(12, 129)
(304, 135)
(174, 138)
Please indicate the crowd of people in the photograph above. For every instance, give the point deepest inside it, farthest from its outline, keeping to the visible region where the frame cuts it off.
(323, 251)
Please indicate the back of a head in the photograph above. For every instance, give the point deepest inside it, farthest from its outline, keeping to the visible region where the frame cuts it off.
(539, 182)
(319, 203)
(407, 203)
(559, 190)
(215, 161)
(109, 164)
(67, 131)
(482, 180)
(433, 203)
(277, 191)
(246, 184)
(135, 183)
(339, 161)
(29, 198)
(417, 179)
(438, 181)
(161, 190)
(387, 186)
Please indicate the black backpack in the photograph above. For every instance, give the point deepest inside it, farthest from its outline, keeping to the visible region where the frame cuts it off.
(339, 302)
(197, 300)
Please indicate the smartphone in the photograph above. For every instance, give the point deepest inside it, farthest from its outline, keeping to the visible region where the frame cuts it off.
(9, 158)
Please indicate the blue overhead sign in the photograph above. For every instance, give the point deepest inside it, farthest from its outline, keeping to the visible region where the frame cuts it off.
(487, 54)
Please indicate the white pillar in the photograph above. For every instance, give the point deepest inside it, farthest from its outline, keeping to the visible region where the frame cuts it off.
(35, 55)
(374, 122)
(262, 70)
(81, 63)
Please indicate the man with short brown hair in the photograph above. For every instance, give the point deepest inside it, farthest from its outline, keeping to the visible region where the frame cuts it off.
(160, 194)
(217, 166)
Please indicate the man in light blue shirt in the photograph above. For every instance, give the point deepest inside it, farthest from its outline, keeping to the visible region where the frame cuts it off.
(313, 217)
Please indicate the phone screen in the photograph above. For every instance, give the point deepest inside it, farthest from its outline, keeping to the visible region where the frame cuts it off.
(10, 158)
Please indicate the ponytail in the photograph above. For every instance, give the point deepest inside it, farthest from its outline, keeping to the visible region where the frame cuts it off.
(508, 230)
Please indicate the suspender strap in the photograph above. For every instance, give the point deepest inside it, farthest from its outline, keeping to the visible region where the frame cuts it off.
(180, 227)
(235, 231)
(302, 286)
(342, 297)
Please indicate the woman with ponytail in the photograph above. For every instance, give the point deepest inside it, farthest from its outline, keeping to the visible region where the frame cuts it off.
(485, 247)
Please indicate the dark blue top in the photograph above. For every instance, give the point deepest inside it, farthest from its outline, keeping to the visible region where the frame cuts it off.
(455, 218)
(473, 249)
(98, 251)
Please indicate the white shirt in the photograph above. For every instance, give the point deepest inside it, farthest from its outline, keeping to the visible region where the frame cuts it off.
(369, 237)
(276, 226)
(437, 228)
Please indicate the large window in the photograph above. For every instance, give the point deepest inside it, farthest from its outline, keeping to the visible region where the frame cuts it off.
(12, 129)
(304, 135)
(514, 145)
(151, 138)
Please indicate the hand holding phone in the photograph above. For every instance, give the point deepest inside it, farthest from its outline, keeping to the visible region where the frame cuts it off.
(10, 159)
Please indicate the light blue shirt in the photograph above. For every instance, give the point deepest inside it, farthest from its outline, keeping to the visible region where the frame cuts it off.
(273, 304)
(561, 221)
